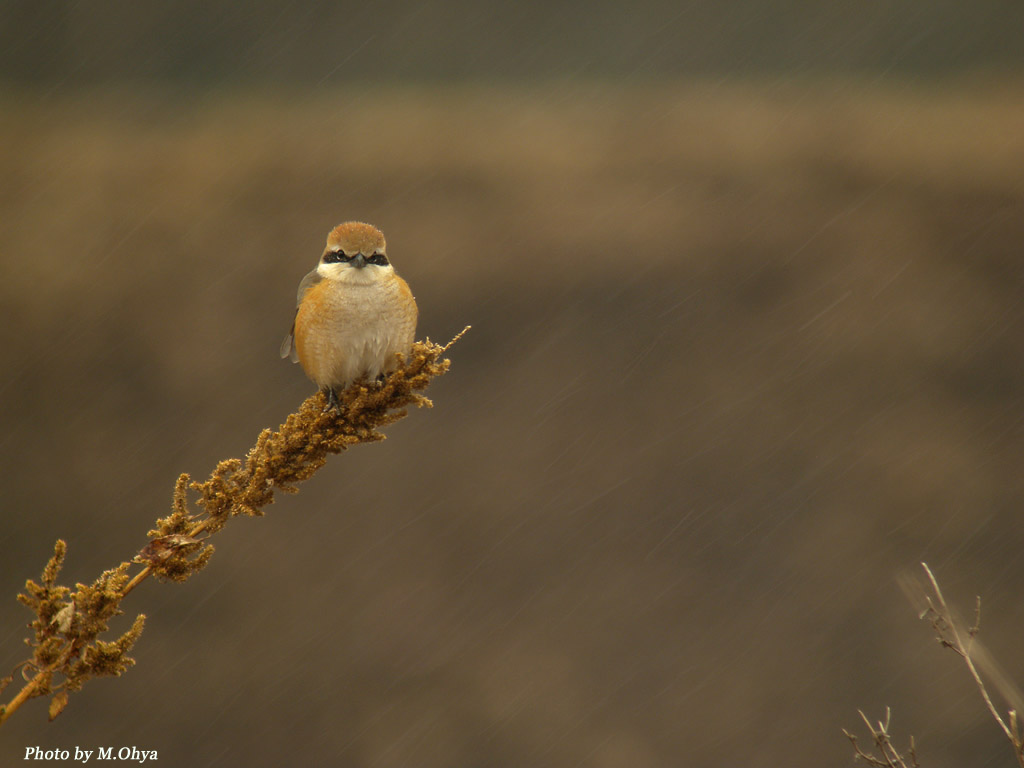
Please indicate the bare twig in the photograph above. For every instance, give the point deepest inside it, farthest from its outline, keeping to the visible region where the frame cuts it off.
(951, 633)
(885, 755)
(945, 624)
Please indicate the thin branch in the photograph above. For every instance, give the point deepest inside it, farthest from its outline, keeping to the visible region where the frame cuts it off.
(945, 625)
(949, 625)
(885, 755)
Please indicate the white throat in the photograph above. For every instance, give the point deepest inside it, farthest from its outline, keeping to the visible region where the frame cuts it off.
(346, 273)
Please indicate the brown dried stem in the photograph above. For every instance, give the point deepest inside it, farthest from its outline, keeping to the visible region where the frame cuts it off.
(950, 635)
(885, 755)
(67, 650)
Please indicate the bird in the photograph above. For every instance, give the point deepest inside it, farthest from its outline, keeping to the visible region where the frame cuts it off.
(354, 315)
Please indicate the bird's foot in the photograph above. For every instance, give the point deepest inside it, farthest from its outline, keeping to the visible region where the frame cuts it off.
(332, 401)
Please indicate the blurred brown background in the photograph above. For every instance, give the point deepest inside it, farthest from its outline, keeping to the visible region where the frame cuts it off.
(746, 295)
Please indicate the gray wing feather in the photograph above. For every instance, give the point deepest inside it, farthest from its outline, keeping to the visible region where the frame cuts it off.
(288, 345)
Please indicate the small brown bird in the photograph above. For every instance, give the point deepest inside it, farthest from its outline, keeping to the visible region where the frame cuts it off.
(353, 315)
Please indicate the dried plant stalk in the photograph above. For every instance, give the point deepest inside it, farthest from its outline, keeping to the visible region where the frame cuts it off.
(954, 634)
(883, 753)
(67, 651)
(951, 633)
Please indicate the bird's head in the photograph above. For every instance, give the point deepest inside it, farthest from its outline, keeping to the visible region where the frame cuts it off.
(355, 253)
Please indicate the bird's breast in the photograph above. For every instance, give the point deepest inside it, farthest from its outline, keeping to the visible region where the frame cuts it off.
(345, 330)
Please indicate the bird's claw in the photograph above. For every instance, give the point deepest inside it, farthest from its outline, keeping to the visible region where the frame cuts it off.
(332, 401)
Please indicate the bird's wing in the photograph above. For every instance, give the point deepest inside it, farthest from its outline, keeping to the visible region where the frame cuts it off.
(288, 345)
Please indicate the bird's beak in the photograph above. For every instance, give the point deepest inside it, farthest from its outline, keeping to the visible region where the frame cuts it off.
(358, 261)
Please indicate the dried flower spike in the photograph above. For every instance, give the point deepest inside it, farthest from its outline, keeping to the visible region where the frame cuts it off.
(66, 647)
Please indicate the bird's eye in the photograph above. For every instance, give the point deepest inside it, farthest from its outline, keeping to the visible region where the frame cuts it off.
(336, 257)
(379, 259)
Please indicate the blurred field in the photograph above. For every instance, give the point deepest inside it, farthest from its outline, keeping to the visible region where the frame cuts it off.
(740, 354)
